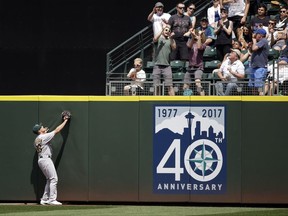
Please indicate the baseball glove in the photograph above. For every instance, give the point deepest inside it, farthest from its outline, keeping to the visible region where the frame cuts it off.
(133, 76)
(66, 115)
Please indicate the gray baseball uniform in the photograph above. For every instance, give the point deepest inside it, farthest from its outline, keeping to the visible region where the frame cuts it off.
(43, 146)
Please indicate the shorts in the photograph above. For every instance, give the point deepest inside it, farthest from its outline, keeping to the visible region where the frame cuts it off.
(166, 71)
(257, 77)
(197, 73)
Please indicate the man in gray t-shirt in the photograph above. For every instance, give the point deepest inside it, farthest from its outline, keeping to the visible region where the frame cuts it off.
(164, 44)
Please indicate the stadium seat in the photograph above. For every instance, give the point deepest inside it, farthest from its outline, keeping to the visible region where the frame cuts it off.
(178, 76)
(273, 54)
(209, 66)
(209, 53)
(149, 67)
(149, 76)
(177, 66)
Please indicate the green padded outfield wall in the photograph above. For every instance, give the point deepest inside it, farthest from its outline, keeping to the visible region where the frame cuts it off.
(149, 149)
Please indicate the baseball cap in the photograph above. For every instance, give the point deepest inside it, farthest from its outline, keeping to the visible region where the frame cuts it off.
(204, 19)
(260, 31)
(36, 128)
(159, 4)
(237, 51)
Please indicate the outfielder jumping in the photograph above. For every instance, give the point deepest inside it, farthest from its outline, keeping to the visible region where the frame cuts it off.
(43, 147)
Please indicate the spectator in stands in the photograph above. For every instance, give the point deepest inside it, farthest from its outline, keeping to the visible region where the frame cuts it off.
(279, 77)
(208, 31)
(254, 6)
(245, 36)
(190, 13)
(213, 14)
(261, 20)
(223, 32)
(197, 47)
(280, 35)
(138, 77)
(180, 25)
(158, 18)
(164, 44)
(237, 12)
(245, 53)
(271, 32)
(259, 62)
(231, 71)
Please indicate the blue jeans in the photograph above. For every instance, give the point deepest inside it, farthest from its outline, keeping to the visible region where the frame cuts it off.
(256, 76)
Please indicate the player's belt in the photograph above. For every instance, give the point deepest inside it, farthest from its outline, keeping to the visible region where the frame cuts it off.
(45, 156)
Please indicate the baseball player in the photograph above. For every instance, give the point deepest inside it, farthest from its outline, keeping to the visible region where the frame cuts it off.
(43, 147)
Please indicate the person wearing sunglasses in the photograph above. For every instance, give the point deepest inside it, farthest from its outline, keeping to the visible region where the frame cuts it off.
(190, 13)
(180, 25)
(138, 77)
(281, 29)
(158, 17)
(163, 45)
(271, 32)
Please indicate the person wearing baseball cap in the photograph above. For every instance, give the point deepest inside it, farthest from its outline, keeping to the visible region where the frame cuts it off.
(158, 18)
(42, 144)
(230, 72)
(259, 62)
(208, 31)
(261, 31)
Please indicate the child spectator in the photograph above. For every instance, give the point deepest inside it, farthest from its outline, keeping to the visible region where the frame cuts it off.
(138, 77)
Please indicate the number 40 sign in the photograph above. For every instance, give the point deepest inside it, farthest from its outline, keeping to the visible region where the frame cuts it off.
(189, 149)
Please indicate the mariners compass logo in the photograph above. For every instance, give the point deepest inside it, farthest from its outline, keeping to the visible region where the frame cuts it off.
(189, 149)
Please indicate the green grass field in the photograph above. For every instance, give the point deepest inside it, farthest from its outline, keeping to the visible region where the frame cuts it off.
(123, 210)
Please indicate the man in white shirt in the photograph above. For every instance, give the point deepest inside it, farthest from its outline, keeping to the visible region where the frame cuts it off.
(158, 18)
(231, 70)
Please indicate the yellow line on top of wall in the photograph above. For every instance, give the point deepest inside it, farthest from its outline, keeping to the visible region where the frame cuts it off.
(142, 98)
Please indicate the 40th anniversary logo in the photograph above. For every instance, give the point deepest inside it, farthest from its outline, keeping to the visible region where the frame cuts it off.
(189, 149)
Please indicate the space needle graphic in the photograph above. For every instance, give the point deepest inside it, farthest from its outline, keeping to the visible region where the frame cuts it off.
(189, 118)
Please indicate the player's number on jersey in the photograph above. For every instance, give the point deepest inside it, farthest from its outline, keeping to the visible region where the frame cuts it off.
(176, 170)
